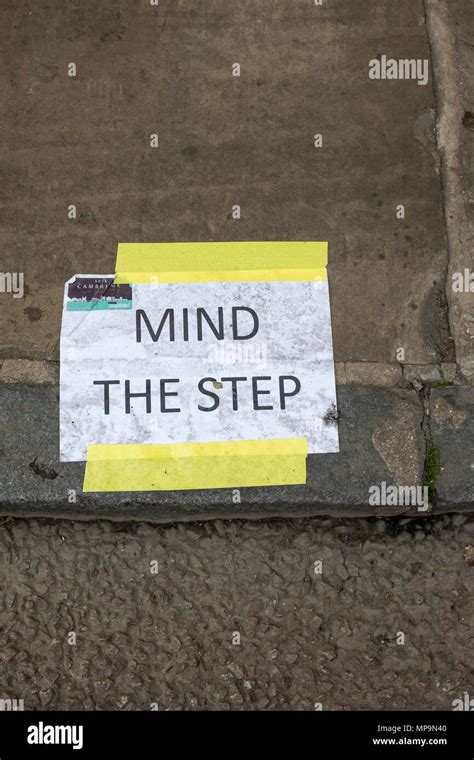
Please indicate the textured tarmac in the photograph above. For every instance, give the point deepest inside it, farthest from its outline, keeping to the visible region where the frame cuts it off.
(169, 639)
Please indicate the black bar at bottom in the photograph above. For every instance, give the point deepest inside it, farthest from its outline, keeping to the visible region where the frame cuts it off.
(224, 734)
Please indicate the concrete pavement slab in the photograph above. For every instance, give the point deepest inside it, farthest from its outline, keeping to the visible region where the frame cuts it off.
(81, 176)
(452, 429)
(84, 141)
(448, 26)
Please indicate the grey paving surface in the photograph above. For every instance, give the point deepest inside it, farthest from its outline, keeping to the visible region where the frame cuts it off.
(449, 26)
(305, 638)
(381, 441)
(464, 29)
(246, 140)
(452, 428)
(225, 140)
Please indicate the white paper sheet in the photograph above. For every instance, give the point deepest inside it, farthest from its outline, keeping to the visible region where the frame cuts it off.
(99, 344)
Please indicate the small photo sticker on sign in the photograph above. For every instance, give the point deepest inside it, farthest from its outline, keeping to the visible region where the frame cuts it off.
(98, 293)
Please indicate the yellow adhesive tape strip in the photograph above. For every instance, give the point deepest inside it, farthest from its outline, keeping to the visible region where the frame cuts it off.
(220, 262)
(185, 466)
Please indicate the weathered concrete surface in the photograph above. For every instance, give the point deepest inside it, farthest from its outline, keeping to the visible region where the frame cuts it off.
(29, 372)
(224, 140)
(450, 26)
(331, 638)
(248, 140)
(463, 19)
(452, 429)
(380, 435)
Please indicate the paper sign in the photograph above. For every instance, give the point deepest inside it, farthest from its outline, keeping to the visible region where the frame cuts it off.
(196, 362)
